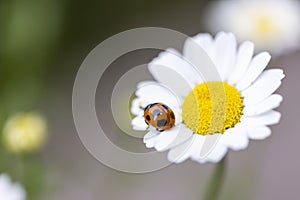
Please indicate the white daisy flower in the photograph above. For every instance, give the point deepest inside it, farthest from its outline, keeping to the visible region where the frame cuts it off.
(9, 190)
(272, 25)
(243, 112)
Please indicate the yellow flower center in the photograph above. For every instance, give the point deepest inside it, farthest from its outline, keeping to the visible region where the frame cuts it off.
(212, 107)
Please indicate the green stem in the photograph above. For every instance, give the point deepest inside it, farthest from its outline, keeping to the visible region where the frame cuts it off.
(214, 187)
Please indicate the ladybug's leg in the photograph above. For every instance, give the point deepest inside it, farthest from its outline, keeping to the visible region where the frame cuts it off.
(145, 108)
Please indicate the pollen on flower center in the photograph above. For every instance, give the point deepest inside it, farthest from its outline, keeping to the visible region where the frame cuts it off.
(212, 107)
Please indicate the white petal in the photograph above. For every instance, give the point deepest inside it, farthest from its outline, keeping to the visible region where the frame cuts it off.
(174, 59)
(235, 138)
(178, 118)
(215, 155)
(171, 70)
(260, 91)
(194, 51)
(225, 52)
(243, 60)
(258, 132)
(197, 146)
(145, 83)
(138, 123)
(182, 152)
(269, 118)
(263, 87)
(150, 139)
(137, 106)
(205, 41)
(278, 73)
(170, 138)
(193, 148)
(209, 143)
(269, 103)
(257, 65)
(150, 135)
(152, 92)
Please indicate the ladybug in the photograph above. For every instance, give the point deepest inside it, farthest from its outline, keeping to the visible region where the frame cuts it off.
(160, 116)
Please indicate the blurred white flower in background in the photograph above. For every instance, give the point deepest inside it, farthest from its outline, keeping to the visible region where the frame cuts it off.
(24, 132)
(273, 25)
(9, 190)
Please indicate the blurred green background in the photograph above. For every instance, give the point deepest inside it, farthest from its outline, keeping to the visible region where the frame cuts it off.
(42, 45)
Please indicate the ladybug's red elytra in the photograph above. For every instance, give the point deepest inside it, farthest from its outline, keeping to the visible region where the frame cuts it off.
(160, 116)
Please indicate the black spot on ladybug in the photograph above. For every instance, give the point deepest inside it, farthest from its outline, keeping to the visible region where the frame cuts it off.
(172, 115)
(161, 122)
(148, 118)
(166, 107)
(156, 112)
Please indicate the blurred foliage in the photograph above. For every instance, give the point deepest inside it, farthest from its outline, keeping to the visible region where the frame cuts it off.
(29, 35)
